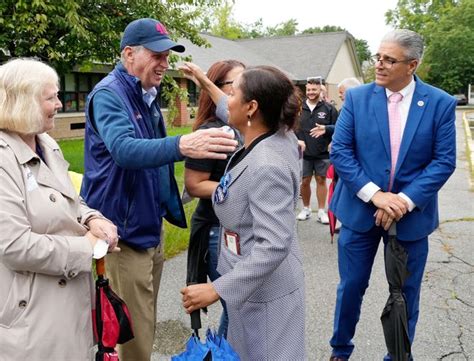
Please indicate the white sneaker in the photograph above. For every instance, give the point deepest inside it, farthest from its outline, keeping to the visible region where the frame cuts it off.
(304, 214)
(323, 217)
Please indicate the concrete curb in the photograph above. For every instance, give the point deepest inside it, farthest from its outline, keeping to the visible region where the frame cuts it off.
(468, 123)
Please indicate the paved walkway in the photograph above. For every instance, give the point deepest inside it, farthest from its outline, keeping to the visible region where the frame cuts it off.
(446, 326)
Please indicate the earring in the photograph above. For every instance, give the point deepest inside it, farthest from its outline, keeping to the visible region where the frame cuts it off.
(248, 120)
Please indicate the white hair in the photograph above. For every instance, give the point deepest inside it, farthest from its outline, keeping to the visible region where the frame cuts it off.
(135, 49)
(22, 82)
(348, 83)
(410, 41)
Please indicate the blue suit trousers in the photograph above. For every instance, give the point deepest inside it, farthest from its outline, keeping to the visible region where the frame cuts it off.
(356, 253)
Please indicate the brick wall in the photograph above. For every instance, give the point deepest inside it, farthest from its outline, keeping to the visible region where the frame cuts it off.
(182, 118)
(68, 126)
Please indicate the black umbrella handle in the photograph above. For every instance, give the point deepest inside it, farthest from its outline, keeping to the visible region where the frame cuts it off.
(392, 231)
(196, 320)
(195, 315)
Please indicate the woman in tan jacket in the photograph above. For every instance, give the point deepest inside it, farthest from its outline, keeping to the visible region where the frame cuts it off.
(47, 233)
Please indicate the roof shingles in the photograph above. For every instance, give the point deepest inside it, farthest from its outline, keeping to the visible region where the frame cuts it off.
(299, 56)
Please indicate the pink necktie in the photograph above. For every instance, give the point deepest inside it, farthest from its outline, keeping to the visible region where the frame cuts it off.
(394, 121)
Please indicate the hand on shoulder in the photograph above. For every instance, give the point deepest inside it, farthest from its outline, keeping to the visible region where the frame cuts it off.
(207, 143)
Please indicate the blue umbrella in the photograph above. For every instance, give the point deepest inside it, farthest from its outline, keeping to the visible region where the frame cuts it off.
(215, 348)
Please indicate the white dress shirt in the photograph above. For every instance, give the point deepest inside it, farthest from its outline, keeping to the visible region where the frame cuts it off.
(367, 192)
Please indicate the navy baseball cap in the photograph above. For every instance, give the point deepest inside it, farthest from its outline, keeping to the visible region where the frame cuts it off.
(149, 33)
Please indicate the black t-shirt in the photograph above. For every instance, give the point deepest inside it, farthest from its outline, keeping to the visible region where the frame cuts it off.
(324, 113)
(215, 167)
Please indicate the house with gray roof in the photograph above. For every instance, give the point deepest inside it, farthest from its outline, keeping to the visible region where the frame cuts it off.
(220, 49)
(331, 56)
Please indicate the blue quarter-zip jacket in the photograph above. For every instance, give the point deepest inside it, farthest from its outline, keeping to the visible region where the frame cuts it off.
(128, 159)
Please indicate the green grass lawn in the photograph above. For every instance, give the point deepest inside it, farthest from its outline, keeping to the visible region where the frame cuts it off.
(176, 239)
(73, 151)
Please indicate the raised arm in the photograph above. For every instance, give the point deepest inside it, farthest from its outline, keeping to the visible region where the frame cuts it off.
(195, 73)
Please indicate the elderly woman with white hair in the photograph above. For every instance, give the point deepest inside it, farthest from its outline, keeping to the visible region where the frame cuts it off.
(47, 233)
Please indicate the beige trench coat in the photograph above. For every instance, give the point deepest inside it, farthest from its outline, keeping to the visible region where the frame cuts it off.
(46, 287)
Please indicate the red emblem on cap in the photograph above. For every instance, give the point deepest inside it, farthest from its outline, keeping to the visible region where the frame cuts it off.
(161, 29)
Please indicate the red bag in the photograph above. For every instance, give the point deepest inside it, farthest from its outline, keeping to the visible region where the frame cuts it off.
(112, 321)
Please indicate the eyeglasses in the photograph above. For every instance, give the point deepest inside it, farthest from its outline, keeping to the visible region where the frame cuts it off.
(388, 63)
(228, 82)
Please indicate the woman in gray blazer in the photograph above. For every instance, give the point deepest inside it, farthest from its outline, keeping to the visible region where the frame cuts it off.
(262, 279)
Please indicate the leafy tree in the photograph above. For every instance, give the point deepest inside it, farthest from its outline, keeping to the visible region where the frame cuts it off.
(224, 24)
(323, 29)
(286, 28)
(368, 69)
(254, 30)
(362, 47)
(78, 33)
(417, 15)
(362, 50)
(447, 27)
(72, 33)
(449, 57)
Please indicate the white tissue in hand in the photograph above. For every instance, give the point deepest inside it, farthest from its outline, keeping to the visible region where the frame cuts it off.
(100, 249)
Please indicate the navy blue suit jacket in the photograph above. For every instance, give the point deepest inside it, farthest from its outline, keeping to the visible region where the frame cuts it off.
(360, 153)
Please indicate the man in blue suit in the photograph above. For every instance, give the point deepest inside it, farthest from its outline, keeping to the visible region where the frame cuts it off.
(394, 147)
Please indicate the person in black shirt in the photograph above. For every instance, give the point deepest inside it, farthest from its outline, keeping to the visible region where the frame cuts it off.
(315, 111)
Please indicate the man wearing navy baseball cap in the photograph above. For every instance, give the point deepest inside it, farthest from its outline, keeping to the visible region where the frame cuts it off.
(150, 34)
(129, 171)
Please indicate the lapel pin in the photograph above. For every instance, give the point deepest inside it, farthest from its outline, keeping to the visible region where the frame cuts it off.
(220, 194)
(420, 103)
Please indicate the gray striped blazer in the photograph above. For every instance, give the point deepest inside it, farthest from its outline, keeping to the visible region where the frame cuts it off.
(263, 286)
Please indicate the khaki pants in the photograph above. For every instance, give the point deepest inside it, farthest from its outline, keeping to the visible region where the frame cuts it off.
(135, 276)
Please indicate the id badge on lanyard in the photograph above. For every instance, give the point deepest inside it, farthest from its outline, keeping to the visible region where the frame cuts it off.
(232, 242)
